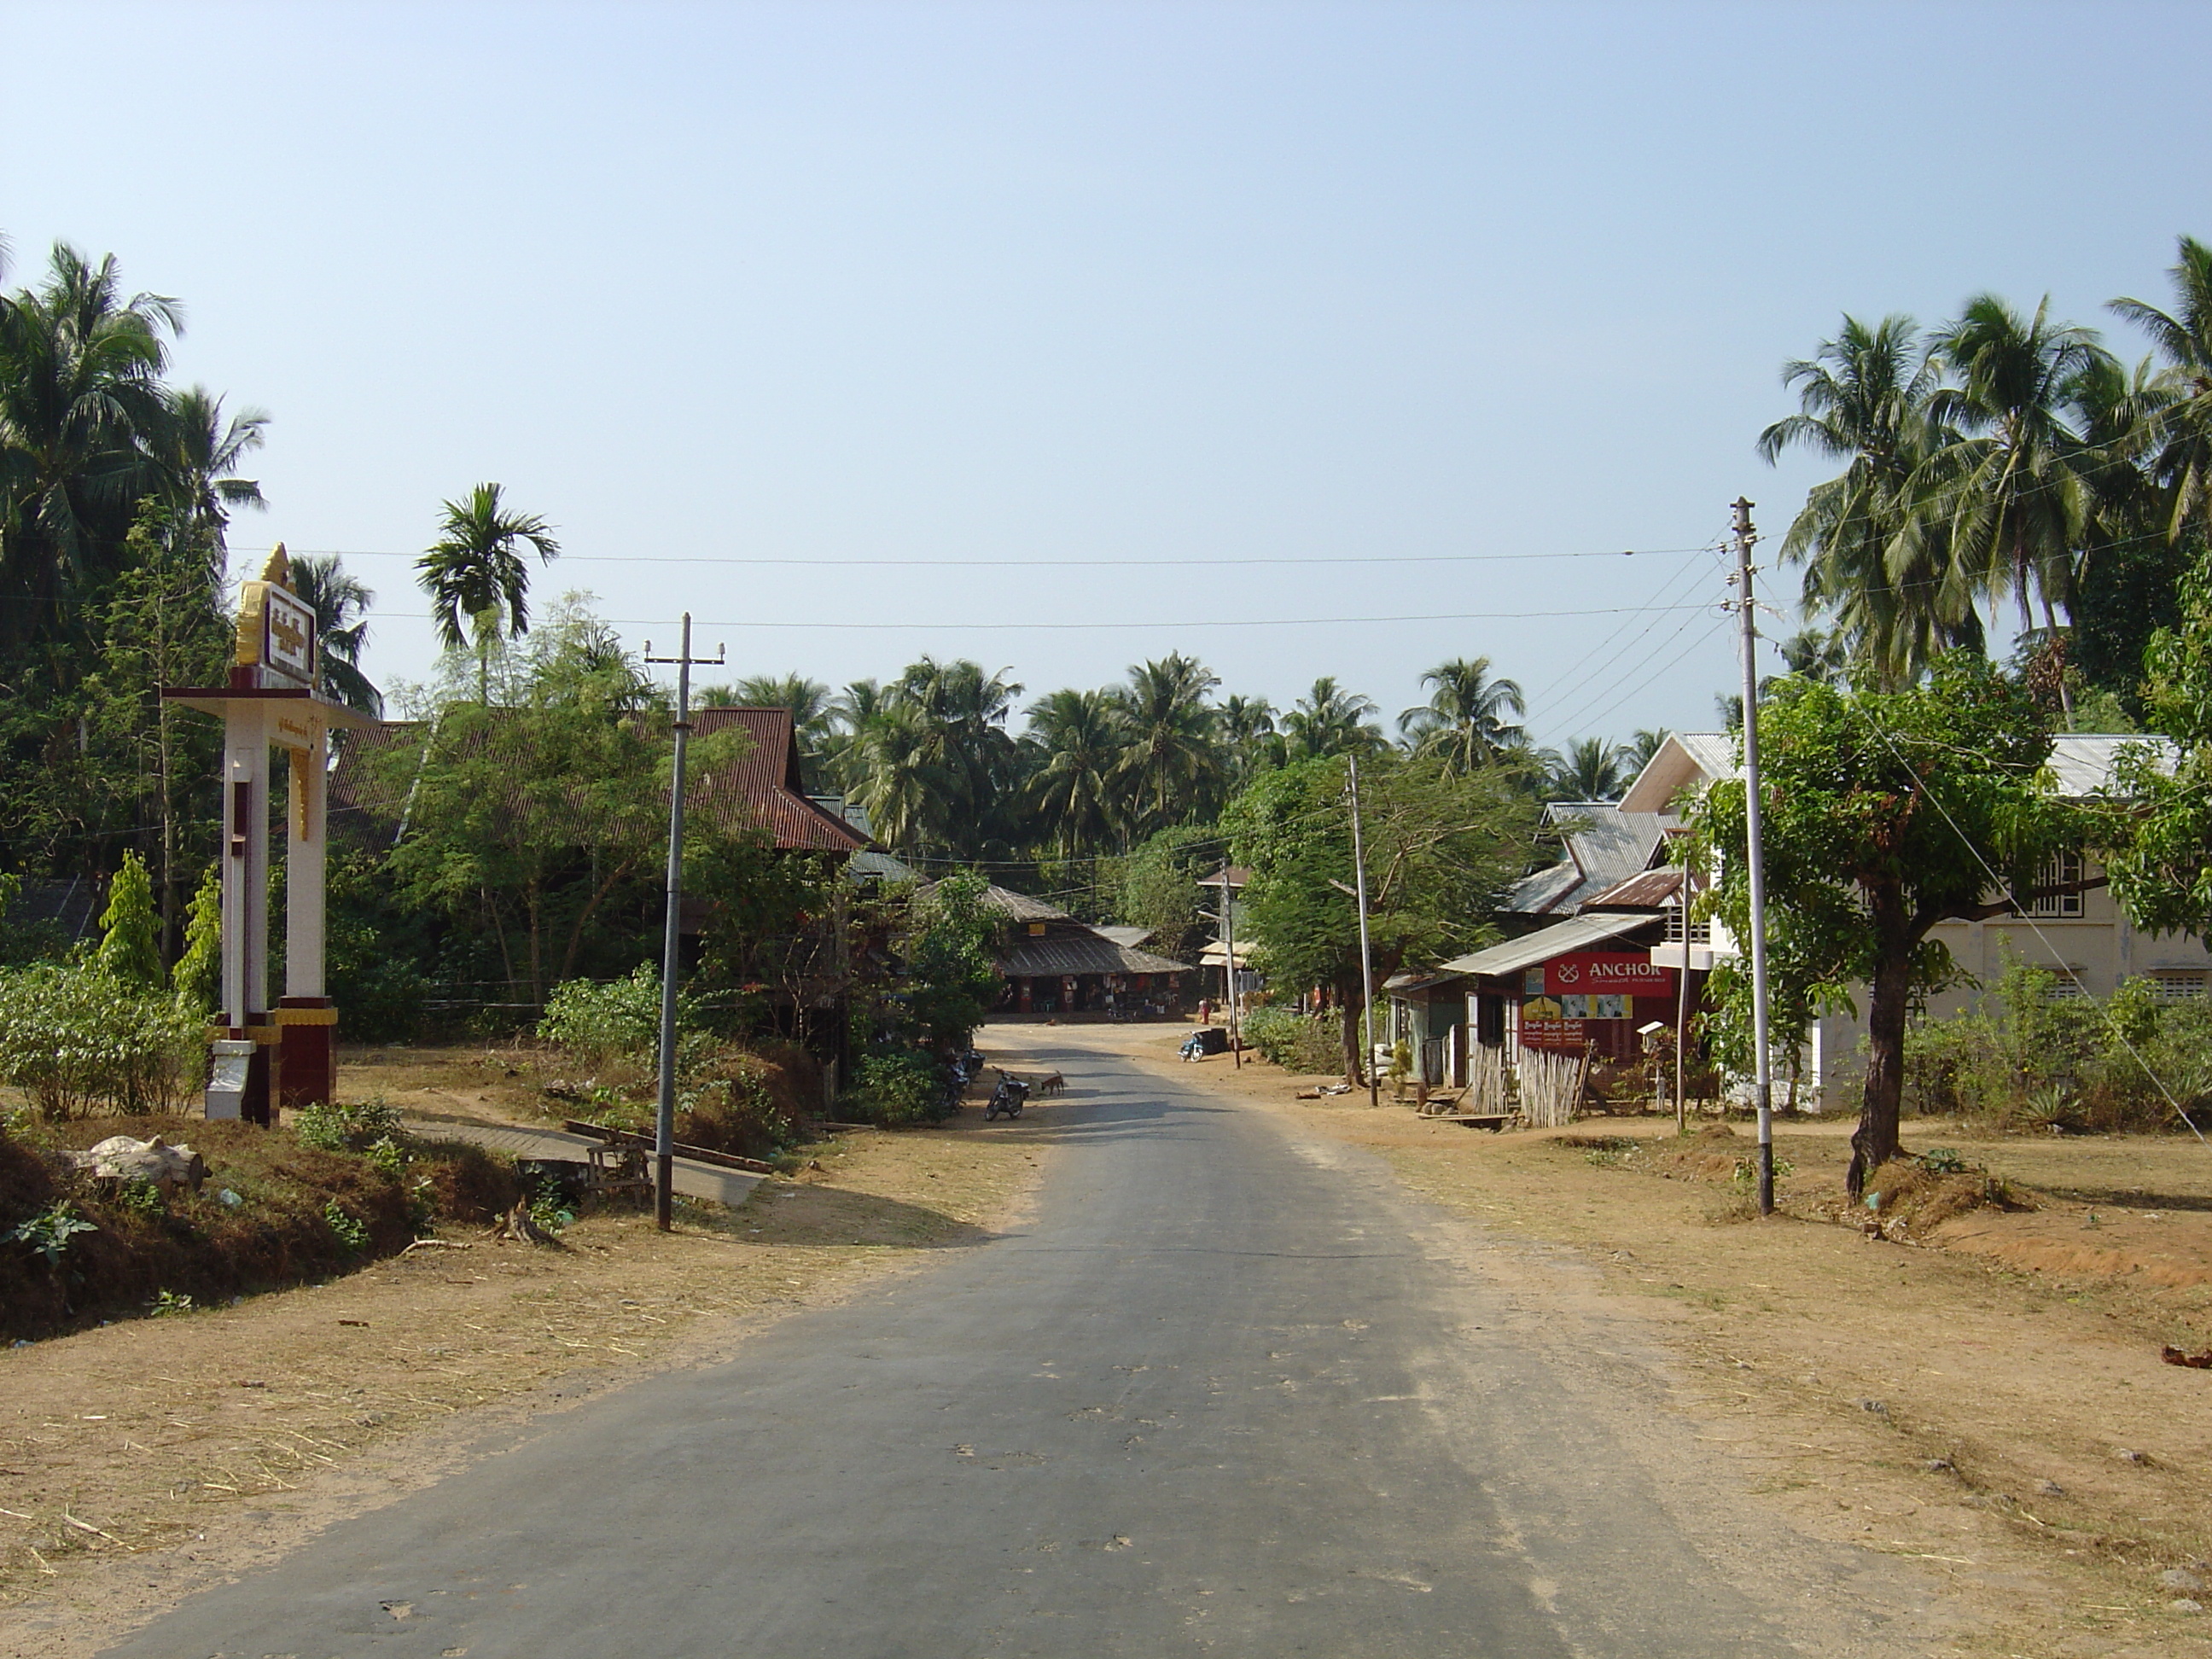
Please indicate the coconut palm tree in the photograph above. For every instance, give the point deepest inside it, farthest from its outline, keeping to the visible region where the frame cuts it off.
(1078, 744)
(1591, 769)
(1642, 747)
(2181, 430)
(935, 766)
(1865, 399)
(475, 570)
(2008, 488)
(341, 604)
(201, 454)
(1330, 720)
(82, 412)
(1247, 731)
(1464, 719)
(1171, 766)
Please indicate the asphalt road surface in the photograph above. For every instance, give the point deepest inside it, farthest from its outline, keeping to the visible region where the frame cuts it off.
(1220, 1397)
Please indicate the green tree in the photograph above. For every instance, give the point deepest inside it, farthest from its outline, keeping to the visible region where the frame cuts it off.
(2160, 860)
(1865, 398)
(82, 412)
(1441, 845)
(1885, 814)
(2182, 428)
(127, 950)
(200, 453)
(1464, 720)
(950, 980)
(340, 601)
(1330, 720)
(1247, 731)
(1171, 766)
(1078, 744)
(936, 766)
(1157, 886)
(198, 977)
(475, 570)
(808, 701)
(1591, 769)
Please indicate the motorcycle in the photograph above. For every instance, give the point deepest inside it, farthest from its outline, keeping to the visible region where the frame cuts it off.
(1007, 1099)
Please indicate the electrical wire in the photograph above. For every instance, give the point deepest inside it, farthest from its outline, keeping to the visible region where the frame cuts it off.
(749, 560)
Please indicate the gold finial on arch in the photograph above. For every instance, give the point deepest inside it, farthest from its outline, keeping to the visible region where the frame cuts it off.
(279, 570)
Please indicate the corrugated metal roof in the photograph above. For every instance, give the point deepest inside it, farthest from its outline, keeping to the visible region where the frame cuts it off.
(1654, 890)
(1020, 907)
(1605, 847)
(1077, 952)
(1133, 937)
(1542, 945)
(2083, 762)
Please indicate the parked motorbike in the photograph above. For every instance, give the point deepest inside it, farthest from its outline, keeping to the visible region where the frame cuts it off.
(1007, 1099)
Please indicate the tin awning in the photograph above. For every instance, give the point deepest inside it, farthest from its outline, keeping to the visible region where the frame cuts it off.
(1527, 951)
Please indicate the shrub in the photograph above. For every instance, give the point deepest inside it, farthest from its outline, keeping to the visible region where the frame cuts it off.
(619, 1019)
(1296, 1041)
(345, 1125)
(74, 1036)
(897, 1091)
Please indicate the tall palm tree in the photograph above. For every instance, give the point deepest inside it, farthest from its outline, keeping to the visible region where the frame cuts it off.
(1640, 748)
(1080, 746)
(2182, 428)
(1247, 729)
(1464, 719)
(1865, 398)
(2009, 487)
(202, 452)
(341, 604)
(1330, 720)
(1816, 654)
(81, 412)
(936, 764)
(476, 569)
(1591, 769)
(1171, 765)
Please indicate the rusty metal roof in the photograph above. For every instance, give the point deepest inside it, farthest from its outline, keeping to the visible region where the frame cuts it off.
(1654, 889)
(1076, 951)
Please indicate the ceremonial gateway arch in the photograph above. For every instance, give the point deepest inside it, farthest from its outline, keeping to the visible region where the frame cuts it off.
(266, 1057)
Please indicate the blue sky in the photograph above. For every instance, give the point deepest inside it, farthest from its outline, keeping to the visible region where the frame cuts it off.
(1069, 286)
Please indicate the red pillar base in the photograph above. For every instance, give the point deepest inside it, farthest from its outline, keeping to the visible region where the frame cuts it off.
(307, 1064)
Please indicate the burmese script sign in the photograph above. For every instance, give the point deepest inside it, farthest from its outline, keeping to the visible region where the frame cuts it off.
(1567, 1001)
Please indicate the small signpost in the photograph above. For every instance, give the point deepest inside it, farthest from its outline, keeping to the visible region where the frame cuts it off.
(266, 1057)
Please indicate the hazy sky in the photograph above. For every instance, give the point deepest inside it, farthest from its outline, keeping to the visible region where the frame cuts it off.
(1066, 287)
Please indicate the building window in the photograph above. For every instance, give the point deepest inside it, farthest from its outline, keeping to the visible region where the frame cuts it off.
(2066, 986)
(2180, 985)
(2063, 871)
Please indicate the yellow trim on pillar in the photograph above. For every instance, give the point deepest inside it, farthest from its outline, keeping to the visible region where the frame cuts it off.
(306, 1016)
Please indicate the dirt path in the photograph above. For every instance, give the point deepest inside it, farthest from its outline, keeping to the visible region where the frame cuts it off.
(143, 1459)
(2009, 1425)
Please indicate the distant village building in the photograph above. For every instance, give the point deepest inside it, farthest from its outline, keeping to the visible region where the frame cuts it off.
(1055, 965)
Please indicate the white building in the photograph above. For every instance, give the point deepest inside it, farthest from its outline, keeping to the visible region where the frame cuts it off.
(2083, 938)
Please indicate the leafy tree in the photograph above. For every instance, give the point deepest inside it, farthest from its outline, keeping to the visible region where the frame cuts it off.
(936, 766)
(1157, 886)
(1330, 720)
(1464, 719)
(198, 977)
(475, 570)
(2160, 859)
(1247, 731)
(1886, 813)
(951, 981)
(201, 452)
(340, 601)
(1441, 845)
(2181, 427)
(127, 950)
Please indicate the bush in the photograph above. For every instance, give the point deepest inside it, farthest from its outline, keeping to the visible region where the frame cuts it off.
(345, 1125)
(619, 1019)
(74, 1036)
(1296, 1041)
(897, 1091)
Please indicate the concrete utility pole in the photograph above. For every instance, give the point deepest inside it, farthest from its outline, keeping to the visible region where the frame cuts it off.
(1228, 948)
(671, 948)
(1755, 859)
(1366, 955)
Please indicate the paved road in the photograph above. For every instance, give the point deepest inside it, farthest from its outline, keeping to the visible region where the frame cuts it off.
(1218, 1398)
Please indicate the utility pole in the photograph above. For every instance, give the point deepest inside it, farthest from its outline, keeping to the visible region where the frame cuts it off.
(1756, 858)
(1366, 955)
(1228, 948)
(671, 947)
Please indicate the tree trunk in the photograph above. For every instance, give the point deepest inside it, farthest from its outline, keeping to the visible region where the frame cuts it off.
(1347, 1000)
(1874, 1143)
(2065, 697)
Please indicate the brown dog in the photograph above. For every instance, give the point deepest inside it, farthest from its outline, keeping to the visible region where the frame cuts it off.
(1052, 1085)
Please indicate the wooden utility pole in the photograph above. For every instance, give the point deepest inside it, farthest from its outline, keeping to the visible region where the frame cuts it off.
(1755, 859)
(671, 947)
(1366, 955)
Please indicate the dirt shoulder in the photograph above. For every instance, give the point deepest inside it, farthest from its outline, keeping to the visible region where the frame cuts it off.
(141, 1460)
(1989, 1403)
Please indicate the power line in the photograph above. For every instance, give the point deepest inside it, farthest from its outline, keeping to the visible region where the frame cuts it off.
(751, 560)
